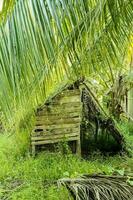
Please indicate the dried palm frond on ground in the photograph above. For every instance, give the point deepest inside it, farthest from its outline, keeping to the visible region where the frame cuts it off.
(98, 187)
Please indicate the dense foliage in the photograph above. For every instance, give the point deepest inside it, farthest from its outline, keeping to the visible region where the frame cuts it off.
(44, 43)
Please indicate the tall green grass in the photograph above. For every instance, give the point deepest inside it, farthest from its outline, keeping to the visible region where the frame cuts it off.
(23, 177)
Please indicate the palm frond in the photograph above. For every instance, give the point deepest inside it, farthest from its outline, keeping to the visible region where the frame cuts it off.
(7, 7)
(98, 188)
(45, 42)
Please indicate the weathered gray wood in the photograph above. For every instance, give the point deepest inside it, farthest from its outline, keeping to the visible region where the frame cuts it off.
(33, 149)
(64, 115)
(59, 104)
(57, 126)
(60, 110)
(78, 148)
(69, 99)
(58, 121)
(55, 141)
(56, 131)
(67, 93)
(49, 137)
(55, 116)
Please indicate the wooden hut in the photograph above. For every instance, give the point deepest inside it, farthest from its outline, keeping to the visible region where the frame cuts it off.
(59, 119)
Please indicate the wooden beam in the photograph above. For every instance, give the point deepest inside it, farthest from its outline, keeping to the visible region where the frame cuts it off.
(75, 138)
(56, 131)
(78, 148)
(55, 110)
(57, 126)
(54, 116)
(51, 137)
(58, 121)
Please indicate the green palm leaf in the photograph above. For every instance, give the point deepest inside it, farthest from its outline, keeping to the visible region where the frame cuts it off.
(46, 41)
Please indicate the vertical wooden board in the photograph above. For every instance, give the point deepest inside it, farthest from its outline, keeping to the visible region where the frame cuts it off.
(33, 150)
(78, 147)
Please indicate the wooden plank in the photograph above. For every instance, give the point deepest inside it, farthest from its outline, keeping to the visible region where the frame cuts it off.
(58, 117)
(70, 92)
(57, 131)
(75, 99)
(78, 148)
(52, 137)
(33, 150)
(58, 121)
(75, 92)
(55, 126)
(68, 99)
(59, 104)
(51, 109)
(55, 141)
(67, 93)
(61, 111)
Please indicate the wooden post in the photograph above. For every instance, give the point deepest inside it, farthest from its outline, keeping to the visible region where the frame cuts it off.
(78, 147)
(73, 146)
(33, 150)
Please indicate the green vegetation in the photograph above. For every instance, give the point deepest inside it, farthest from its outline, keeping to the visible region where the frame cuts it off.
(24, 177)
(44, 45)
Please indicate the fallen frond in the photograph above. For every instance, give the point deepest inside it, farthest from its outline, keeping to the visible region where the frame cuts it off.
(98, 187)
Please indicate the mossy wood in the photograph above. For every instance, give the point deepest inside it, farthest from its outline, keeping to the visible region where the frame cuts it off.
(59, 120)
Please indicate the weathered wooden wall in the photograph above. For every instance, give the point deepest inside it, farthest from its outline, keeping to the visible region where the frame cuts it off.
(59, 120)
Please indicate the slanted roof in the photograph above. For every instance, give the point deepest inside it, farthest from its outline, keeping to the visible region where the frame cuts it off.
(60, 89)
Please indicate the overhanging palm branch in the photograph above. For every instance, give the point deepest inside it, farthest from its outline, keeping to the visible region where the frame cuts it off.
(44, 42)
(7, 7)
